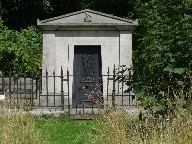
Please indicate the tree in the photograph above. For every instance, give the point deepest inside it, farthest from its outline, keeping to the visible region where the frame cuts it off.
(18, 14)
(163, 55)
(122, 8)
(20, 52)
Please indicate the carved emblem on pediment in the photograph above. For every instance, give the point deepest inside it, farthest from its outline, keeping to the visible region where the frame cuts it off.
(87, 18)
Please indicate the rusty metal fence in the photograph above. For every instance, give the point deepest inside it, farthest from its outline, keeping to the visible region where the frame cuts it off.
(54, 91)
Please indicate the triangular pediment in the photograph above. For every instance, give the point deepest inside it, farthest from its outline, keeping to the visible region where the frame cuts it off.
(86, 18)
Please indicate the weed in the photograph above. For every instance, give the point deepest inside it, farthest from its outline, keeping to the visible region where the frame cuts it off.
(121, 128)
(18, 127)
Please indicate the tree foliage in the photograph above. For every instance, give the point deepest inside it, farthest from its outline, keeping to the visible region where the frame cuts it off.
(163, 54)
(20, 51)
(18, 14)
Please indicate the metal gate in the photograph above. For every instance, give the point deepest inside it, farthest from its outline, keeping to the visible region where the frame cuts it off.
(87, 75)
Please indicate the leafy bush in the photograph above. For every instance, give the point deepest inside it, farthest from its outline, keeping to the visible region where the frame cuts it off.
(20, 51)
(163, 55)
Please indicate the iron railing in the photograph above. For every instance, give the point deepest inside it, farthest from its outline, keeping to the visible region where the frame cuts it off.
(51, 90)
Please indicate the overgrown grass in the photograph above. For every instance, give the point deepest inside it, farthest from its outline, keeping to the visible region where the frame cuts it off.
(120, 128)
(19, 128)
(115, 127)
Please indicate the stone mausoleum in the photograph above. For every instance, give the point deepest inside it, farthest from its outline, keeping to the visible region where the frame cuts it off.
(85, 43)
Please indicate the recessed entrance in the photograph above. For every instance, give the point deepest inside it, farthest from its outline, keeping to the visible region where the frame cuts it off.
(87, 89)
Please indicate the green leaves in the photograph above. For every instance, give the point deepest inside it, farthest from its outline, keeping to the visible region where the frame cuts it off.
(20, 51)
(168, 69)
(158, 108)
(140, 94)
(174, 70)
(163, 54)
(179, 70)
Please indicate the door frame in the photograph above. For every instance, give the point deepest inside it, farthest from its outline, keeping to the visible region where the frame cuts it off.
(75, 96)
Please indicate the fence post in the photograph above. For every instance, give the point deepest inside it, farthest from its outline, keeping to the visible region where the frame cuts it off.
(68, 90)
(31, 96)
(113, 91)
(47, 88)
(62, 92)
(54, 86)
(107, 87)
(3, 85)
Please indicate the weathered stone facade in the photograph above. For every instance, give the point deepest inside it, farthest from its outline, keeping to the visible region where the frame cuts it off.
(86, 27)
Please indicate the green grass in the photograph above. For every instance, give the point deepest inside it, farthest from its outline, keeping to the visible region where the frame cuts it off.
(115, 127)
(61, 130)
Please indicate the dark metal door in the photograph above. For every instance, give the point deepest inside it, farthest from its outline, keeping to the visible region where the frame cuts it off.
(87, 76)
